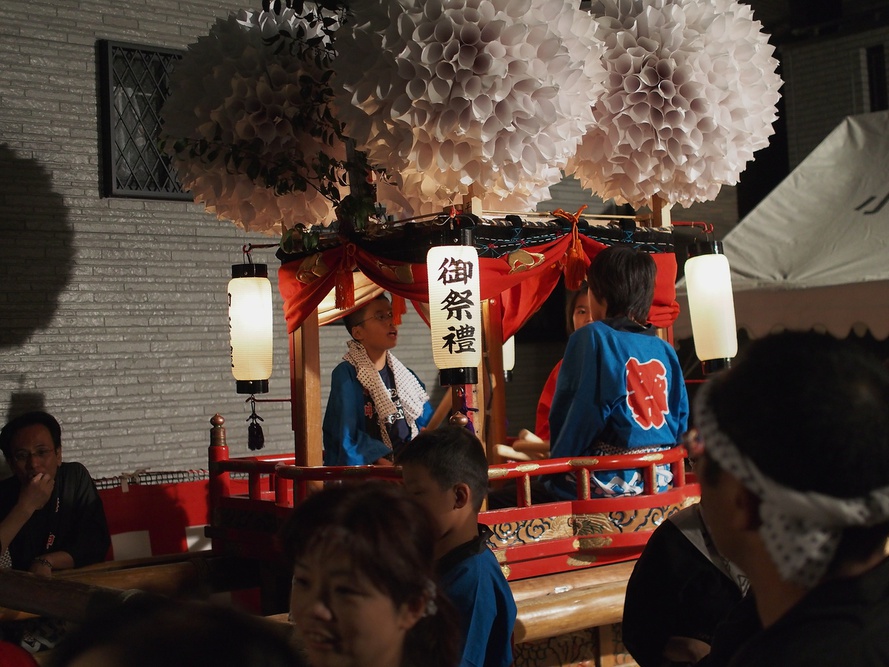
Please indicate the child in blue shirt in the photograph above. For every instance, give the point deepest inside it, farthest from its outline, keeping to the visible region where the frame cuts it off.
(620, 388)
(376, 404)
(447, 472)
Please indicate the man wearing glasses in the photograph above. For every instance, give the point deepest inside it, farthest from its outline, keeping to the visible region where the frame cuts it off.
(376, 403)
(51, 516)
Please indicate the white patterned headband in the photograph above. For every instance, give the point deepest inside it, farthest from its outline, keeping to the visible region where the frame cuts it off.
(800, 529)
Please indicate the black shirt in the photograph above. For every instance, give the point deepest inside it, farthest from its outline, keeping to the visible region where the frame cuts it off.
(73, 520)
(839, 622)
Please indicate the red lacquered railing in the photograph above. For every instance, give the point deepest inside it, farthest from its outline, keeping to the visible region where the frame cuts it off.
(274, 478)
(245, 522)
(582, 467)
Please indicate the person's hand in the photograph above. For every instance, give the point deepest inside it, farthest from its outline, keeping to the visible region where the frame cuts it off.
(37, 492)
(383, 462)
(534, 448)
(41, 567)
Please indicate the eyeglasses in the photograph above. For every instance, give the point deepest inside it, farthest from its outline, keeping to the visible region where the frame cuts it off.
(22, 455)
(379, 317)
(694, 444)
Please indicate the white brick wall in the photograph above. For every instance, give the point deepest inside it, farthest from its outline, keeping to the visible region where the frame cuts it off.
(825, 83)
(112, 311)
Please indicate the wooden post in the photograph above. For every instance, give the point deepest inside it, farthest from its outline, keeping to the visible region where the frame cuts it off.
(219, 484)
(660, 212)
(473, 394)
(305, 392)
(494, 377)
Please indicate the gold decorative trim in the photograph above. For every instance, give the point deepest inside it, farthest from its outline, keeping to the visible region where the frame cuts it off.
(523, 260)
(596, 542)
(400, 272)
(311, 268)
(579, 560)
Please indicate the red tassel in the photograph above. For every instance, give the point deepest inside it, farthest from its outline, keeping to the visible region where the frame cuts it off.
(575, 266)
(345, 284)
(399, 308)
(575, 261)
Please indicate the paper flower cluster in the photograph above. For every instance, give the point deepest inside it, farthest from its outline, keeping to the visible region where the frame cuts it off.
(690, 94)
(446, 94)
(246, 122)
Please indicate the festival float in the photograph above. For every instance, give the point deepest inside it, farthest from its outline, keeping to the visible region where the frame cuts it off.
(365, 138)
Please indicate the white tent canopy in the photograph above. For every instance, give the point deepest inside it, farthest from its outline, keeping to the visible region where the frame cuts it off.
(815, 252)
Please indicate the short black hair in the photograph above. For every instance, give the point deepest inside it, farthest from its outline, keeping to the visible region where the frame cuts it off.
(452, 455)
(23, 421)
(353, 319)
(624, 277)
(811, 411)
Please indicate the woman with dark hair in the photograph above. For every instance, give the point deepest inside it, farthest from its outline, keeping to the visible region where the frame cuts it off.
(364, 591)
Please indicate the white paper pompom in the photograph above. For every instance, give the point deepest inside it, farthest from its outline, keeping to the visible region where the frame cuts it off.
(452, 93)
(690, 94)
(241, 113)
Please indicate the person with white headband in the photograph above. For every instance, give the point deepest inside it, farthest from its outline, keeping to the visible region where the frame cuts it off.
(793, 458)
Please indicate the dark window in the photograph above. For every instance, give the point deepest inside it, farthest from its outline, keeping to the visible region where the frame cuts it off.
(134, 82)
(876, 78)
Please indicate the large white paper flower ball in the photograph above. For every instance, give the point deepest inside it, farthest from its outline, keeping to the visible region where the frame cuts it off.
(446, 94)
(689, 96)
(242, 112)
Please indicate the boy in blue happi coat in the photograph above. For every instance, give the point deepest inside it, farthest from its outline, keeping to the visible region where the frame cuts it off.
(376, 403)
(446, 471)
(620, 389)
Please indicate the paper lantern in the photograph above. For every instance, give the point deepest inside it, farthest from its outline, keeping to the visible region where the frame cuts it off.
(250, 323)
(455, 312)
(711, 306)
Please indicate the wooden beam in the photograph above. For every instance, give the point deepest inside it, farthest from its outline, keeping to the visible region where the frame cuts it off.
(44, 596)
(495, 379)
(305, 392)
(562, 613)
(660, 212)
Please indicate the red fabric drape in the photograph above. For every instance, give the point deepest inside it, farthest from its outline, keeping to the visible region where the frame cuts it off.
(523, 279)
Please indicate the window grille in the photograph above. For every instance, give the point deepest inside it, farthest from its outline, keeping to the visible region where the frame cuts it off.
(134, 82)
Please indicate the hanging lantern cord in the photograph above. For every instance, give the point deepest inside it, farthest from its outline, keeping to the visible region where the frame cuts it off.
(255, 437)
(247, 248)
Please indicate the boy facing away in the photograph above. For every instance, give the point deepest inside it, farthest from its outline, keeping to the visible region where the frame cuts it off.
(447, 472)
(620, 388)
